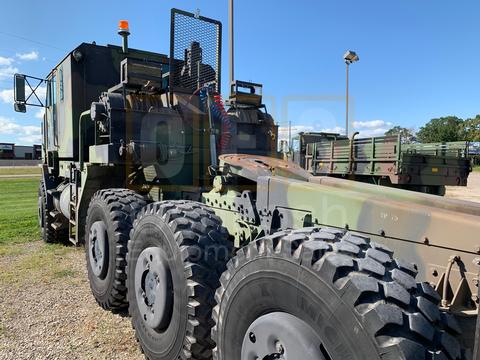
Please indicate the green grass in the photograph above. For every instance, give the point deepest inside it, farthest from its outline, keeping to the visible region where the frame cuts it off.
(18, 210)
(476, 168)
(23, 257)
(20, 170)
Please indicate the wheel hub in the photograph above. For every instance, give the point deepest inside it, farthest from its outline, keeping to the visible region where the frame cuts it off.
(98, 249)
(282, 336)
(153, 288)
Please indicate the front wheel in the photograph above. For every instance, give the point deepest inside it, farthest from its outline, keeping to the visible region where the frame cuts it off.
(316, 294)
(177, 252)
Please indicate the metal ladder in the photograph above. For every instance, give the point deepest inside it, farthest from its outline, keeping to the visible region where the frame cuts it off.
(72, 203)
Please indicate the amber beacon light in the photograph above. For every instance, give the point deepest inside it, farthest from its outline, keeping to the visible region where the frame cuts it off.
(124, 31)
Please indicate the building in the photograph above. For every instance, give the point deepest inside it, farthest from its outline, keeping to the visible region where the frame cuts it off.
(12, 151)
(7, 151)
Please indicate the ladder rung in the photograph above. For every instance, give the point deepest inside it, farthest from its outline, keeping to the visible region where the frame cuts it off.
(57, 225)
(73, 222)
(72, 203)
(54, 213)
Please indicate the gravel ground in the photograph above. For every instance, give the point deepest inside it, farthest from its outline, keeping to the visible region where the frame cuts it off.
(48, 312)
(470, 193)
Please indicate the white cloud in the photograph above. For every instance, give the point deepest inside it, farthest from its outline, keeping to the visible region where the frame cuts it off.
(7, 72)
(41, 93)
(4, 61)
(370, 124)
(32, 55)
(30, 139)
(335, 130)
(283, 131)
(6, 96)
(372, 127)
(372, 132)
(39, 114)
(24, 133)
(365, 129)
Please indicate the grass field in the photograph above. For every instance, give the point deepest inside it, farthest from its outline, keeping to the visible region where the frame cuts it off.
(18, 210)
(476, 168)
(39, 282)
(20, 170)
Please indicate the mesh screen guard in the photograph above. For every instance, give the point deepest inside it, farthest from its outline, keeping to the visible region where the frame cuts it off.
(195, 52)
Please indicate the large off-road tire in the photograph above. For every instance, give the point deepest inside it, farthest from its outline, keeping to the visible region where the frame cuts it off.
(45, 219)
(177, 252)
(109, 220)
(327, 294)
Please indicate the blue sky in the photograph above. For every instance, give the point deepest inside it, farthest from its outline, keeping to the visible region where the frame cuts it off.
(418, 59)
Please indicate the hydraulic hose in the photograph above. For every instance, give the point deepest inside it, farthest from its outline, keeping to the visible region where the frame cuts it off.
(218, 112)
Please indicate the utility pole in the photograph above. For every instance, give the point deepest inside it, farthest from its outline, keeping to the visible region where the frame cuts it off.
(231, 44)
(346, 112)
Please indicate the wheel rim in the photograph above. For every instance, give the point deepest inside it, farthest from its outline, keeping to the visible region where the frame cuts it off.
(153, 288)
(282, 336)
(98, 249)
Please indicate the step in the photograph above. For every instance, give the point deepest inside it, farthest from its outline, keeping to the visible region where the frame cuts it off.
(54, 214)
(58, 225)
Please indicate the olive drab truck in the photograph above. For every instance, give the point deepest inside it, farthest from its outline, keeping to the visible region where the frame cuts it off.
(384, 160)
(215, 246)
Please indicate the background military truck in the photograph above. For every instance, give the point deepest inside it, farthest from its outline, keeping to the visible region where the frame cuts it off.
(385, 160)
(216, 246)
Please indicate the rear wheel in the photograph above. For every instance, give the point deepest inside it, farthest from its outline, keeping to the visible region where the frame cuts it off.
(327, 294)
(177, 252)
(109, 220)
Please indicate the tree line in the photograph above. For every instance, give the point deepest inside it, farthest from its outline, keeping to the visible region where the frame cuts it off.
(443, 129)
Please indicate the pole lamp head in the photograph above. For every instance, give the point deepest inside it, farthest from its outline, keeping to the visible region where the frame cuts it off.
(350, 57)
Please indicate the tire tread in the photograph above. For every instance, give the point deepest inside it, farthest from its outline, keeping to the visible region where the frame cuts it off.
(400, 315)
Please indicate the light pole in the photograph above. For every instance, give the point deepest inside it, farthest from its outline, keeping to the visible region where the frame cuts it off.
(231, 44)
(349, 57)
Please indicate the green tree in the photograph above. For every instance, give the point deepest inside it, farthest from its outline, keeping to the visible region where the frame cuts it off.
(471, 129)
(444, 129)
(407, 135)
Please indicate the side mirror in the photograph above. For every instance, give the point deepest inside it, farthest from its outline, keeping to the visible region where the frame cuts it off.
(20, 107)
(19, 93)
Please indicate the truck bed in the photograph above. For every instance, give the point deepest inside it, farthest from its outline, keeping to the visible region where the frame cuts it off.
(433, 164)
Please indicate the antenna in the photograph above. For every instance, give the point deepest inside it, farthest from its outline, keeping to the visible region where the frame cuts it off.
(231, 45)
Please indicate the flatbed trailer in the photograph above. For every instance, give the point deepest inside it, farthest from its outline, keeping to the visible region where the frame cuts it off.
(384, 160)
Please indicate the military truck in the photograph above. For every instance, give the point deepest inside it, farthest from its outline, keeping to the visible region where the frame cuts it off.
(385, 160)
(218, 248)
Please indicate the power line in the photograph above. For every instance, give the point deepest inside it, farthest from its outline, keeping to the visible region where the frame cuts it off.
(32, 41)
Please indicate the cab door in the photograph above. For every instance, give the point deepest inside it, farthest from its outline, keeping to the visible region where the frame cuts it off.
(50, 124)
